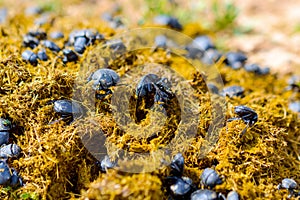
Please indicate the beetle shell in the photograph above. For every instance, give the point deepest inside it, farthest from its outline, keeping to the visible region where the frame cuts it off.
(235, 60)
(179, 187)
(212, 88)
(80, 44)
(39, 34)
(210, 178)
(232, 91)
(204, 195)
(166, 20)
(104, 79)
(29, 41)
(10, 150)
(146, 85)
(160, 41)
(106, 163)
(51, 45)
(5, 127)
(56, 35)
(28, 55)
(246, 114)
(116, 45)
(69, 56)
(177, 165)
(68, 107)
(5, 173)
(42, 55)
(203, 42)
(233, 195)
(289, 184)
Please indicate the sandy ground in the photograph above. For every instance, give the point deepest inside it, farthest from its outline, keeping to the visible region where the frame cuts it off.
(274, 41)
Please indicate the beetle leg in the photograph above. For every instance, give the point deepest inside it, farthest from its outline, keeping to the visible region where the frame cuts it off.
(234, 118)
(245, 129)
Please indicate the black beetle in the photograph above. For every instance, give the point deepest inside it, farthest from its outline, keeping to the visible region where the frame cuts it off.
(39, 34)
(166, 20)
(80, 44)
(294, 106)
(255, 68)
(210, 178)
(203, 42)
(213, 88)
(288, 184)
(179, 187)
(206, 195)
(160, 42)
(10, 150)
(233, 195)
(42, 55)
(56, 35)
(246, 114)
(177, 165)
(233, 91)
(116, 45)
(69, 56)
(29, 41)
(293, 83)
(151, 90)
(50, 45)
(9, 176)
(103, 80)
(106, 163)
(68, 110)
(236, 60)
(28, 55)
(5, 127)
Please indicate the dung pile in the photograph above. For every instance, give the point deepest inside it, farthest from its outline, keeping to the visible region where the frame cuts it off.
(55, 162)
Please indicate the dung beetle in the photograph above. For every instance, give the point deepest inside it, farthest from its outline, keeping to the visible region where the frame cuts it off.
(103, 80)
(210, 178)
(213, 88)
(56, 35)
(5, 127)
(194, 52)
(50, 45)
(152, 90)
(33, 10)
(9, 176)
(28, 55)
(166, 20)
(42, 55)
(10, 150)
(235, 60)
(116, 45)
(288, 184)
(294, 106)
(206, 195)
(160, 41)
(39, 34)
(203, 42)
(69, 56)
(68, 110)
(106, 163)
(255, 68)
(179, 187)
(246, 114)
(233, 195)
(152, 84)
(293, 83)
(29, 41)
(177, 165)
(80, 44)
(232, 91)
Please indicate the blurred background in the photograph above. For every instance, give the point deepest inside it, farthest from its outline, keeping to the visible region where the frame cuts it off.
(267, 31)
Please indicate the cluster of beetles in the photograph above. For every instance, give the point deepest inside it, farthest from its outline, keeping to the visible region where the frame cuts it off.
(151, 89)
